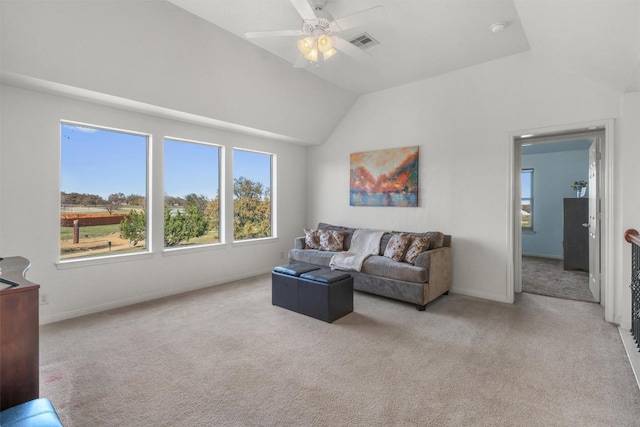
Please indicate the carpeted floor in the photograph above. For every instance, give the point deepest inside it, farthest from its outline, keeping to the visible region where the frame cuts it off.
(547, 276)
(224, 356)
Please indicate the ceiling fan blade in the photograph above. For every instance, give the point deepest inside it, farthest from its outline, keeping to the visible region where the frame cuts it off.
(361, 18)
(355, 52)
(276, 33)
(304, 9)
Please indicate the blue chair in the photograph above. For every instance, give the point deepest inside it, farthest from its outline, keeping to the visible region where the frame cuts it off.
(35, 413)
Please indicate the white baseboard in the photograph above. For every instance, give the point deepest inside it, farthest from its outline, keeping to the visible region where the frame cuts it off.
(477, 294)
(632, 352)
(147, 297)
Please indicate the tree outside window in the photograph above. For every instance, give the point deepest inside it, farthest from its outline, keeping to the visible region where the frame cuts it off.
(252, 201)
(191, 193)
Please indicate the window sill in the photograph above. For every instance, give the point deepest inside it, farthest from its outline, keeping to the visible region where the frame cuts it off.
(88, 262)
(192, 249)
(259, 241)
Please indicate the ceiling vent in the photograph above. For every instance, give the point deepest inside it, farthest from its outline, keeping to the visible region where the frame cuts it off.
(364, 41)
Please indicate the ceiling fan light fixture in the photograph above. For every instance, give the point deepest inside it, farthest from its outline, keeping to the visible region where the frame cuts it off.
(328, 54)
(312, 55)
(306, 45)
(325, 44)
(311, 47)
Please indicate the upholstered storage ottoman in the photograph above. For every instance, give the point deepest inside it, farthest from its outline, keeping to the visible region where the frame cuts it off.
(319, 293)
(34, 413)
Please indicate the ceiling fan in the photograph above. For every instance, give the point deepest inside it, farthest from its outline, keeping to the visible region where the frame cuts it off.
(318, 39)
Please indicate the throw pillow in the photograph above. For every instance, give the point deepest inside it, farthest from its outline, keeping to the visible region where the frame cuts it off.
(397, 246)
(331, 240)
(311, 238)
(417, 246)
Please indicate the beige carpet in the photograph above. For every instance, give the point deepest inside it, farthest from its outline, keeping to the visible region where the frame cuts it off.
(547, 276)
(225, 356)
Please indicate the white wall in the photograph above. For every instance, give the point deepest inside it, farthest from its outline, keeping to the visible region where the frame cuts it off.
(628, 195)
(157, 53)
(462, 123)
(30, 188)
(553, 174)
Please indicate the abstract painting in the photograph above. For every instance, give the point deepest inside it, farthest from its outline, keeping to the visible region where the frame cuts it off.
(384, 177)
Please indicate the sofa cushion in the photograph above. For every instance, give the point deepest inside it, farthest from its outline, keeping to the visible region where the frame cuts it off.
(386, 267)
(417, 246)
(331, 240)
(348, 233)
(436, 239)
(397, 246)
(311, 256)
(311, 238)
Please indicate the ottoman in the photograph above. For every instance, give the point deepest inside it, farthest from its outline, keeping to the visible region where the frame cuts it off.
(323, 294)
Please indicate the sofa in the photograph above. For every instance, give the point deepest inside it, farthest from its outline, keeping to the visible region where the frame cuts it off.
(419, 283)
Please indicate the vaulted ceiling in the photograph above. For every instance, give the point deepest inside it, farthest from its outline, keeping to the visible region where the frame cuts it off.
(190, 59)
(418, 39)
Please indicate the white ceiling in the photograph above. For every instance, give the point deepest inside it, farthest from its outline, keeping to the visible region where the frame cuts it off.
(425, 38)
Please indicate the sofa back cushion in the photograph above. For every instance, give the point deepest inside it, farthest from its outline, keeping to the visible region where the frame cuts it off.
(436, 238)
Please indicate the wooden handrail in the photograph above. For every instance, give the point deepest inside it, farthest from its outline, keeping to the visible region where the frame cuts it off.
(632, 236)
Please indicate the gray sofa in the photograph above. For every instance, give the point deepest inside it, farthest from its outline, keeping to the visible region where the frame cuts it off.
(419, 284)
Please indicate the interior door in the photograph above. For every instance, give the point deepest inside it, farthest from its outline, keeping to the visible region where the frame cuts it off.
(594, 222)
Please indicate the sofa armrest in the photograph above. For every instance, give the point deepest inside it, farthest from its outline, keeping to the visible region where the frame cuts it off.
(298, 243)
(438, 262)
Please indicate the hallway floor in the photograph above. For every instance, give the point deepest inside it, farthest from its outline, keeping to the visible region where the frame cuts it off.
(546, 276)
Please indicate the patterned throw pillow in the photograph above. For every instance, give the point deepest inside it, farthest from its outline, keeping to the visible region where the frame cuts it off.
(397, 246)
(311, 238)
(331, 240)
(417, 246)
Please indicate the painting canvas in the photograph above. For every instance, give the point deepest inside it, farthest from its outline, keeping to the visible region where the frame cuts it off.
(384, 177)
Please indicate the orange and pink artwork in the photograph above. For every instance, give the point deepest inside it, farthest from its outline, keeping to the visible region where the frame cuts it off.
(385, 177)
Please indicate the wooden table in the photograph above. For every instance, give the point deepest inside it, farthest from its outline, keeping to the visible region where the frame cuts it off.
(19, 335)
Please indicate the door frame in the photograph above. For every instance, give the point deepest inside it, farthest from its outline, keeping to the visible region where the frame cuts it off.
(514, 231)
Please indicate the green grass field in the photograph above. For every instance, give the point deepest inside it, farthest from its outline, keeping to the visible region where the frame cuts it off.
(66, 233)
(209, 237)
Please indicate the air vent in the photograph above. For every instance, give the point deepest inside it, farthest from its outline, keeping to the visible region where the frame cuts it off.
(364, 41)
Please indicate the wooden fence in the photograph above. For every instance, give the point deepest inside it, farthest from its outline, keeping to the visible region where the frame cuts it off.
(86, 220)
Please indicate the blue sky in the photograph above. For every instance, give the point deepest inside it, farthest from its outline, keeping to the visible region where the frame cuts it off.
(526, 184)
(104, 162)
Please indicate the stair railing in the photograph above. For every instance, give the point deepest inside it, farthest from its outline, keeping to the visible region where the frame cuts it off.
(632, 236)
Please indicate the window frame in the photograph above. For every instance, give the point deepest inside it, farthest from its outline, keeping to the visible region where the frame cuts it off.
(272, 195)
(221, 195)
(529, 199)
(109, 257)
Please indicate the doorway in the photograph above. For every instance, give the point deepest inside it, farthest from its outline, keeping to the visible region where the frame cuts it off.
(559, 218)
(601, 231)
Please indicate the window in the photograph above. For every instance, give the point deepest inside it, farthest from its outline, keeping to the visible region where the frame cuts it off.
(526, 194)
(103, 197)
(252, 189)
(191, 193)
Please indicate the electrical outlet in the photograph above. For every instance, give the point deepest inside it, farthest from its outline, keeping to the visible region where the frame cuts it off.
(44, 299)
(281, 255)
